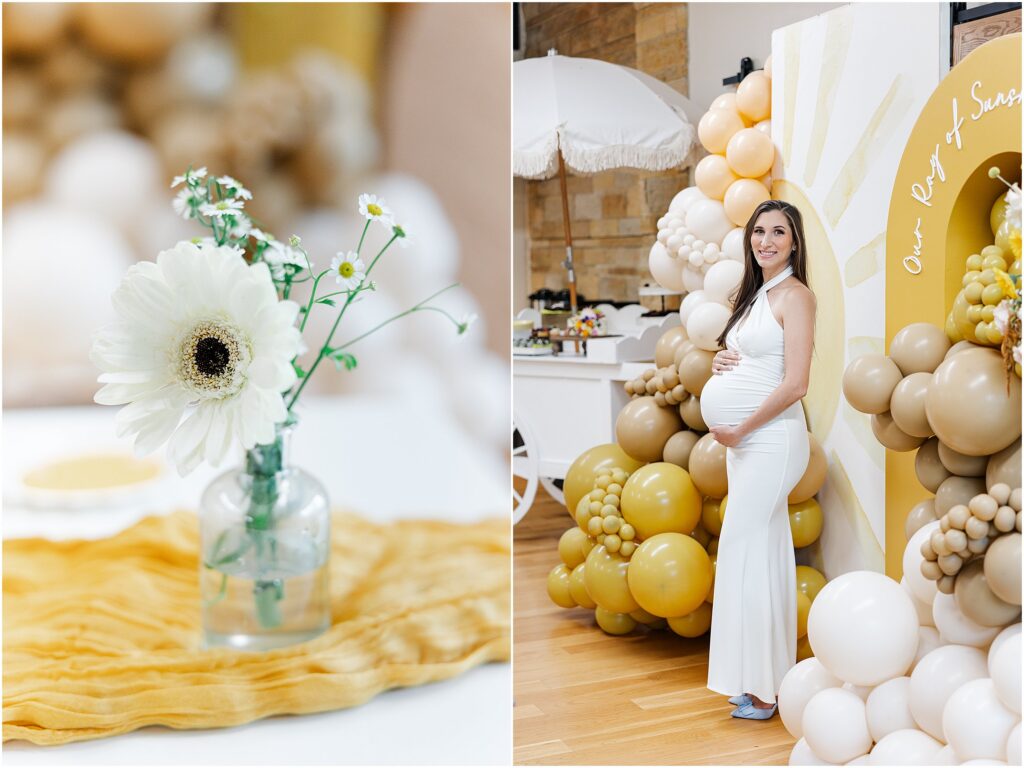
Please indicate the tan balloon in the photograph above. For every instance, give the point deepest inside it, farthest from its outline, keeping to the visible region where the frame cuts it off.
(578, 588)
(919, 516)
(681, 351)
(614, 623)
(605, 581)
(677, 449)
(665, 349)
(890, 435)
(754, 96)
(957, 490)
(579, 479)
(928, 467)
(138, 32)
(976, 600)
(570, 547)
(713, 175)
(814, 476)
(558, 587)
(907, 404)
(1002, 566)
(691, 415)
(716, 127)
(959, 346)
(1004, 467)
(869, 381)
(919, 347)
(968, 405)
(642, 428)
(750, 153)
(33, 27)
(765, 127)
(695, 370)
(693, 624)
(959, 464)
(707, 467)
(728, 101)
(742, 197)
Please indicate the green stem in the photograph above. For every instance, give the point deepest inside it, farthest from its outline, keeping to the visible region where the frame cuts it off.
(362, 237)
(416, 308)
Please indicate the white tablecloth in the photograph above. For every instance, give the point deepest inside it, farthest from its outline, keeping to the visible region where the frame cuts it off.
(378, 457)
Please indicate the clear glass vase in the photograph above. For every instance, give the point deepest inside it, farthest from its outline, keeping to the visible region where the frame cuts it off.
(265, 532)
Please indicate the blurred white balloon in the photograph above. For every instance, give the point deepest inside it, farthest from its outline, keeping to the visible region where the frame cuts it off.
(707, 220)
(693, 280)
(204, 66)
(954, 627)
(480, 393)
(1005, 635)
(722, 280)
(690, 302)
(976, 724)
(924, 610)
(1004, 669)
(667, 272)
(905, 746)
(800, 684)
(888, 708)
(936, 677)
(1013, 746)
(802, 755)
(706, 324)
(863, 691)
(923, 589)
(683, 200)
(732, 245)
(835, 725)
(927, 641)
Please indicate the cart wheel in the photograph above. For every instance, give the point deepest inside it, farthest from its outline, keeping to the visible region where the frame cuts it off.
(551, 485)
(524, 466)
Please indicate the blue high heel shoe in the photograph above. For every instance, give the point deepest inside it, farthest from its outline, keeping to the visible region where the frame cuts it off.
(750, 712)
(740, 701)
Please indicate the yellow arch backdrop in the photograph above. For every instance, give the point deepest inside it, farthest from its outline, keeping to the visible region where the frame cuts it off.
(939, 215)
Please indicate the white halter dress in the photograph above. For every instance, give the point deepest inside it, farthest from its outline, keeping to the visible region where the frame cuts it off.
(753, 628)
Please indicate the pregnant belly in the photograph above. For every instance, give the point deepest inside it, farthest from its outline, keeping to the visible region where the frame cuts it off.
(729, 398)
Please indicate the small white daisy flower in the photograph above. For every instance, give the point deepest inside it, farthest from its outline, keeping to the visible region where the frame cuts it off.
(229, 206)
(201, 336)
(375, 209)
(211, 242)
(184, 200)
(260, 236)
(401, 232)
(277, 255)
(234, 187)
(348, 269)
(190, 177)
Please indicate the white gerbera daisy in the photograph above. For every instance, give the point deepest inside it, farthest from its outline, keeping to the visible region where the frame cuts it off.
(199, 331)
(349, 270)
(374, 209)
(229, 206)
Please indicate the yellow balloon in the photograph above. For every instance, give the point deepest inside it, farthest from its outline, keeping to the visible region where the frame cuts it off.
(643, 617)
(803, 648)
(579, 480)
(721, 511)
(614, 623)
(659, 498)
(606, 581)
(570, 547)
(713, 176)
(670, 575)
(1002, 238)
(710, 516)
(803, 608)
(805, 521)
(814, 475)
(700, 535)
(809, 581)
(707, 467)
(693, 624)
(997, 215)
(713, 556)
(558, 587)
(578, 587)
(713, 547)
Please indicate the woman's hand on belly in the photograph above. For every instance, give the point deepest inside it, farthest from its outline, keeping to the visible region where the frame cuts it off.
(730, 437)
(725, 360)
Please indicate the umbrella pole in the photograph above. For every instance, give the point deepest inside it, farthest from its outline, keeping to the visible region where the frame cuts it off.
(568, 264)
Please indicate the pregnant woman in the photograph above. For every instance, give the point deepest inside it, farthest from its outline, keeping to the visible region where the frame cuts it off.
(752, 406)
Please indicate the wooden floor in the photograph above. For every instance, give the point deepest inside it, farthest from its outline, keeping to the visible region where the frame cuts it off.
(586, 698)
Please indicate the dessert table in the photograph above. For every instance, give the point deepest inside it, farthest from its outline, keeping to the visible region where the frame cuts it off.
(380, 458)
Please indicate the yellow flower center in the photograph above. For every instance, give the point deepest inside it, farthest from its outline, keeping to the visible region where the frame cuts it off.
(346, 269)
(222, 205)
(374, 209)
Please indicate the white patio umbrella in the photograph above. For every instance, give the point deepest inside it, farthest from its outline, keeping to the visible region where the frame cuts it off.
(593, 116)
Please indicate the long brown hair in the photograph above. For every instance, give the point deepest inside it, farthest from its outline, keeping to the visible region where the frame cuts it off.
(753, 277)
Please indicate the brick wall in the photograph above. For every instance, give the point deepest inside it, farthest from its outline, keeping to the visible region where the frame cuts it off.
(614, 213)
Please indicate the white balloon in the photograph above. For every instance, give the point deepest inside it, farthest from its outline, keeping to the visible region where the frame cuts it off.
(862, 760)
(711, 248)
(984, 761)
(684, 252)
(673, 243)
(906, 746)
(706, 324)
(920, 587)
(664, 235)
(863, 628)
(704, 268)
(976, 724)
(935, 678)
(689, 239)
(835, 724)
(927, 641)
(1010, 632)
(802, 755)
(708, 221)
(1004, 669)
(924, 610)
(722, 280)
(954, 627)
(696, 258)
(663, 222)
(861, 690)
(1013, 746)
(800, 684)
(667, 272)
(946, 756)
(732, 245)
(698, 245)
(675, 223)
(693, 280)
(888, 708)
(690, 302)
(684, 199)
(711, 257)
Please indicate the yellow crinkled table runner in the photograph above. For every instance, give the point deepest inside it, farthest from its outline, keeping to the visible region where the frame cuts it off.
(102, 637)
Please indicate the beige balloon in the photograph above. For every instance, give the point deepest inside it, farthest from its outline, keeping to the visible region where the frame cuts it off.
(890, 435)
(716, 127)
(869, 381)
(1002, 567)
(956, 490)
(750, 153)
(678, 448)
(968, 404)
(1004, 467)
(33, 27)
(691, 415)
(907, 405)
(743, 197)
(813, 477)
(695, 370)
(754, 96)
(707, 467)
(959, 464)
(919, 516)
(138, 32)
(976, 600)
(713, 176)
(919, 347)
(960, 346)
(642, 428)
(665, 349)
(681, 351)
(928, 467)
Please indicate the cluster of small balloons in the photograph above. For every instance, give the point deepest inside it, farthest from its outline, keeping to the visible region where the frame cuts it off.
(598, 514)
